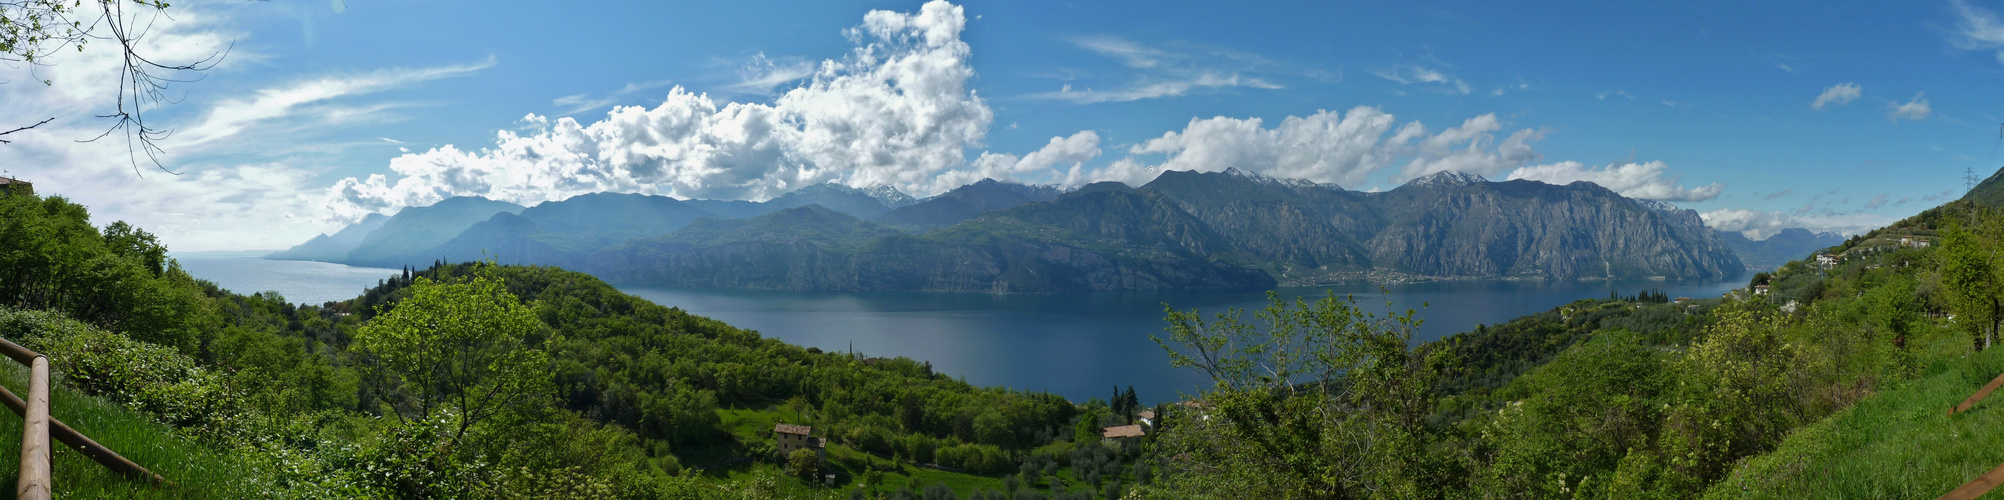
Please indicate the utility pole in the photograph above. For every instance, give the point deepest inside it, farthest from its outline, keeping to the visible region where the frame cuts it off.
(1969, 175)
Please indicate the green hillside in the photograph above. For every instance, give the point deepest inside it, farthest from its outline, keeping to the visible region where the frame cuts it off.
(1988, 193)
(1831, 383)
(574, 390)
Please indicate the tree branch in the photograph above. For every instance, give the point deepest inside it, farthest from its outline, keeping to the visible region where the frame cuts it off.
(37, 124)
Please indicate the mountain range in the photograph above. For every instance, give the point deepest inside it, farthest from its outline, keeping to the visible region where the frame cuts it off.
(1786, 245)
(1226, 229)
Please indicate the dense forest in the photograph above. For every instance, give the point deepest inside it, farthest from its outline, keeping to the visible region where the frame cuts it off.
(553, 384)
(479, 380)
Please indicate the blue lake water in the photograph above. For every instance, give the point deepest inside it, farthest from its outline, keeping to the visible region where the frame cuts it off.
(299, 282)
(1078, 345)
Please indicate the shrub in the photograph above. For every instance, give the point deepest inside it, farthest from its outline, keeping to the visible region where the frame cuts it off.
(975, 458)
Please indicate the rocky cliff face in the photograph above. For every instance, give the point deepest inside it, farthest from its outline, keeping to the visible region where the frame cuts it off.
(1452, 225)
(1532, 229)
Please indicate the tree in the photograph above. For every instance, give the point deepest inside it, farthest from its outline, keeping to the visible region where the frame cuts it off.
(940, 491)
(1315, 401)
(32, 31)
(468, 348)
(1970, 275)
(804, 463)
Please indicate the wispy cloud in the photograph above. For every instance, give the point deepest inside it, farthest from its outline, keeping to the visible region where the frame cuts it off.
(1408, 74)
(1977, 28)
(1876, 202)
(580, 103)
(764, 75)
(1152, 90)
(1620, 93)
(1134, 55)
(1160, 72)
(231, 116)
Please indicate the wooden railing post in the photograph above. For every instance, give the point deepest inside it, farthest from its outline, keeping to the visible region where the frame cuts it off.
(83, 444)
(34, 483)
(38, 383)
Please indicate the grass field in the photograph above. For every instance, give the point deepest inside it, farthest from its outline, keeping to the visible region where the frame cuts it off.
(1898, 443)
(198, 471)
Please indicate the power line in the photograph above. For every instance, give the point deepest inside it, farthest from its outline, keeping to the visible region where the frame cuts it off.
(1969, 175)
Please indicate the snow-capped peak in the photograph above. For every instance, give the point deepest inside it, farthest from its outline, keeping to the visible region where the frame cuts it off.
(1265, 179)
(1447, 178)
(1660, 206)
(890, 196)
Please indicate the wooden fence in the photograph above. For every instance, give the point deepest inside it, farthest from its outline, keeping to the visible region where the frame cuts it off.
(37, 426)
(1989, 480)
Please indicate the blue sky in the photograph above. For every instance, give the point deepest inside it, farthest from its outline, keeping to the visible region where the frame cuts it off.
(1828, 115)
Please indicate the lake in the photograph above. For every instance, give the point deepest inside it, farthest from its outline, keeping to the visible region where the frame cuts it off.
(1078, 345)
(300, 282)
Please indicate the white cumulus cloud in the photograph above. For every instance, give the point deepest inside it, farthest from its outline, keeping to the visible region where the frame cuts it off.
(896, 110)
(1634, 180)
(1916, 109)
(1329, 147)
(1839, 94)
(1469, 148)
(1070, 153)
(1760, 225)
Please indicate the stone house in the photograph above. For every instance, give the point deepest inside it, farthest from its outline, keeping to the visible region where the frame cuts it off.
(789, 437)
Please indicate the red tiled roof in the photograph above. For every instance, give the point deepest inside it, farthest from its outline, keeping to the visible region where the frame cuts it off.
(792, 429)
(1122, 431)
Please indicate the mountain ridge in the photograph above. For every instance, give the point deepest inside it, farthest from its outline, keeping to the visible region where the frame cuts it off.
(1184, 229)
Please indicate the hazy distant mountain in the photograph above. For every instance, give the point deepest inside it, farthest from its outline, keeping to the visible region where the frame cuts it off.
(510, 239)
(1227, 229)
(1197, 230)
(570, 228)
(561, 233)
(1788, 245)
(333, 248)
(408, 236)
(858, 203)
(1098, 241)
(965, 202)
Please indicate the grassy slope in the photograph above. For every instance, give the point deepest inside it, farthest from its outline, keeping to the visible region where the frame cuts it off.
(200, 472)
(1898, 443)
